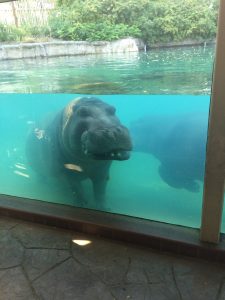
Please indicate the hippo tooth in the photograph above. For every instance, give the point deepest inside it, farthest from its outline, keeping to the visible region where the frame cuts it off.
(85, 152)
(119, 154)
(112, 154)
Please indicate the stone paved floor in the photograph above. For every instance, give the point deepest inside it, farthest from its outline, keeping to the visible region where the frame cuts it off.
(41, 262)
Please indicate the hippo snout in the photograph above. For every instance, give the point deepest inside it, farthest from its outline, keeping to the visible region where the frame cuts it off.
(110, 143)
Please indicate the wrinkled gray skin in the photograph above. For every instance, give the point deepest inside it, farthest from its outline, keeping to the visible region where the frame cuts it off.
(79, 143)
(178, 142)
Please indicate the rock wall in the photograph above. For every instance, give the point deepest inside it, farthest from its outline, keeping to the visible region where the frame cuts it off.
(184, 43)
(64, 48)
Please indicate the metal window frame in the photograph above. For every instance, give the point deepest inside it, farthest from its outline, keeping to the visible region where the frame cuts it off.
(215, 155)
(215, 159)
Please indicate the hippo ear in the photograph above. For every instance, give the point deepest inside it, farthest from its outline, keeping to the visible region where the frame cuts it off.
(111, 110)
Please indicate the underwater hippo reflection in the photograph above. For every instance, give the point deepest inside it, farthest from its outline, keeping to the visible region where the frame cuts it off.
(178, 142)
(80, 142)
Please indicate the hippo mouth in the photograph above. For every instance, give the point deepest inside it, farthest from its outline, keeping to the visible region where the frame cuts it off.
(106, 144)
(111, 155)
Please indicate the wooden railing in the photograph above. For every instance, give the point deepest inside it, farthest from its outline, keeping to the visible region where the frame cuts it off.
(26, 12)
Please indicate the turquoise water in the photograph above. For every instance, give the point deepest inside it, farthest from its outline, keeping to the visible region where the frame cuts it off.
(136, 186)
(186, 70)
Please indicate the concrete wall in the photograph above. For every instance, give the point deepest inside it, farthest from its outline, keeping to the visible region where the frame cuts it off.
(63, 48)
(182, 43)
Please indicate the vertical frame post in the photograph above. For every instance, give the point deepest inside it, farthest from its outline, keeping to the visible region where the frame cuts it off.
(215, 154)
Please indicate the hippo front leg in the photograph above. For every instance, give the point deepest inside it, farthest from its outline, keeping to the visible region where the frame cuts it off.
(99, 187)
(77, 189)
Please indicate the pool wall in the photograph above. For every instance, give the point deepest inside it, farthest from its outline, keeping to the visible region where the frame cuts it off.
(69, 48)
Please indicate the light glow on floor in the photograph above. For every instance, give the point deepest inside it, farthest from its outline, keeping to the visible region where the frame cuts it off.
(82, 242)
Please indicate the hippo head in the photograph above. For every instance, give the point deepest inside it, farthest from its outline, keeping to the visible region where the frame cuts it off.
(91, 128)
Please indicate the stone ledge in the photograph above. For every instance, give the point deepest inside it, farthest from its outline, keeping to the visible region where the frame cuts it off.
(185, 43)
(69, 48)
(159, 236)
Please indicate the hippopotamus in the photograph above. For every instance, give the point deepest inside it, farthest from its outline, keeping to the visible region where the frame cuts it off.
(178, 142)
(80, 142)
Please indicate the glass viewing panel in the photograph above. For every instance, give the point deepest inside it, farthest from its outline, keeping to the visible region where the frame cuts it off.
(160, 93)
(162, 180)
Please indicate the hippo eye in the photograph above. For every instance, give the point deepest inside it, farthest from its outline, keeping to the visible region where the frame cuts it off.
(111, 110)
(83, 112)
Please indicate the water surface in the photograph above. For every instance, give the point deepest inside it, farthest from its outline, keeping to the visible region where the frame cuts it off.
(184, 70)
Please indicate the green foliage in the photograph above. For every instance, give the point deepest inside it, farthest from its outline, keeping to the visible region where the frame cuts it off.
(103, 31)
(36, 32)
(24, 33)
(177, 20)
(154, 21)
(10, 33)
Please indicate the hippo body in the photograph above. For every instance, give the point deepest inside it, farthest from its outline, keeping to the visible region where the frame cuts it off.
(178, 142)
(80, 142)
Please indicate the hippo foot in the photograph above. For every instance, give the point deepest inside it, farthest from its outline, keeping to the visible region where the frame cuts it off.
(79, 201)
(101, 207)
(192, 186)
(177, 180)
